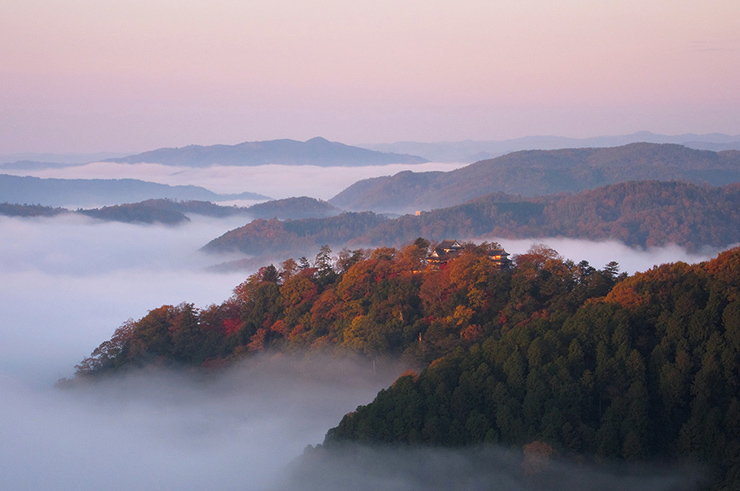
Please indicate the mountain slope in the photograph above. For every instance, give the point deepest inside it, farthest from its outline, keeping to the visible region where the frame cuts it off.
(294, 236)
(650, 371)
(472, 151)
(293, 208)
(637, 213)
(537, 173)
(317, 151)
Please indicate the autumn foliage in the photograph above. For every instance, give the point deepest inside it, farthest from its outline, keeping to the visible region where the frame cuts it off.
(579, 360)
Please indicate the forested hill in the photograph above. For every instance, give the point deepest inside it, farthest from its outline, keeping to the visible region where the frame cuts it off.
(294, 236)
(650, 371)
(641, 214)
(316, 151)
(541, 172)
(293, 208)
(574, 360)
(375, 302)
(172, 212)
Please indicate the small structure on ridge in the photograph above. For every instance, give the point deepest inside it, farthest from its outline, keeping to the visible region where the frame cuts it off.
(447, 250)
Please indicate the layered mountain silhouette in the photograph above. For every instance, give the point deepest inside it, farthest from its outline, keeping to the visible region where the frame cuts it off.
(472, 150)
(541, 172)
(637, 213)
(172, 212)
(316, 151)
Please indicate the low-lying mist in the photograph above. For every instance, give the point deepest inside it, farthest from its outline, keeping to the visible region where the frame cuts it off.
(276, 181)
(68, 283)
(490, 467)
(167, 430)
(598, 254)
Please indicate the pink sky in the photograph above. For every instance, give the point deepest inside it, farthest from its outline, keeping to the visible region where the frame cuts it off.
(99, 75)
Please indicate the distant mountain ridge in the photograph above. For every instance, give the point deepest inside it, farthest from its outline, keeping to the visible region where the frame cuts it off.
(98, 192)
(539, 173)
(473, 151)
(316, 151)
(636, 213)
(416, 152)
(171, 212)
(67, 159)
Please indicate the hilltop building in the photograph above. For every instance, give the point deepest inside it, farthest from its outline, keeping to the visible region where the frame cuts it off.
(500, 257)
(450, 249)
(446, 250)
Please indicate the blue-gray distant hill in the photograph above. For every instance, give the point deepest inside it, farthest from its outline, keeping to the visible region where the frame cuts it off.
(539, 173)
(473, 151)
(171, 212)
(18, 160)
(316, 151)
(98, 192)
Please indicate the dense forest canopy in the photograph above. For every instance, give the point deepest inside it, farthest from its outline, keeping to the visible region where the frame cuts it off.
(651, 370)
(552, 353)
(385, 301)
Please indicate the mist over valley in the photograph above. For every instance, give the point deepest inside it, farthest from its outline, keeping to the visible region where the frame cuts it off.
(404, 246)
(70, 281)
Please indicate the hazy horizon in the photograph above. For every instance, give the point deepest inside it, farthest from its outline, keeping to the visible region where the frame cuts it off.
(73, 159)
(93, 77)
(276, 181)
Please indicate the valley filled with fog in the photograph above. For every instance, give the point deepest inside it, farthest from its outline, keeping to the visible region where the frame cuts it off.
(276, 181)
(69, 282)
(161, 162)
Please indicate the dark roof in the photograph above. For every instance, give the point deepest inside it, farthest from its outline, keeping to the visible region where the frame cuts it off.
(449, 244)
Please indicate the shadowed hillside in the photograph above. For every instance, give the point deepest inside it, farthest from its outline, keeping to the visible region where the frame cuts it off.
(538, 173)
(639, 214)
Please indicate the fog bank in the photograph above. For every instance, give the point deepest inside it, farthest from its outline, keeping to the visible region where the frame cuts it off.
(361, 468)
(599, 254)
(277, 181)
(68, 283)
(66, 286)
(166, 430)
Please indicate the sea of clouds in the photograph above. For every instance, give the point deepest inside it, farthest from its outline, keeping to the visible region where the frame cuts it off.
(68, 282)
(276, 181)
